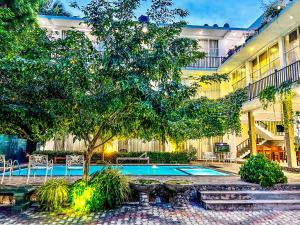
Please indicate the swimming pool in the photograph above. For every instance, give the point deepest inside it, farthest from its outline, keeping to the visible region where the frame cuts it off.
(134, 170)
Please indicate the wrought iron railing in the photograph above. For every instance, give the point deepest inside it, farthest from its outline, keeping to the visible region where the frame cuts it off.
(245, 145)
(272, 126)
(207, 63)
(289, 73)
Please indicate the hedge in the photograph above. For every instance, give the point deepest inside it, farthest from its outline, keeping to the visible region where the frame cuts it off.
(179, 157)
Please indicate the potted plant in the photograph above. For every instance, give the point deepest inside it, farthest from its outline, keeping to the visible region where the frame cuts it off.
(179, 187)
(144, 187)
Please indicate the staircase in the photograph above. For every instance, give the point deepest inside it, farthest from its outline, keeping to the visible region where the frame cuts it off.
(245, 199)
(266, 132)
(243, 149)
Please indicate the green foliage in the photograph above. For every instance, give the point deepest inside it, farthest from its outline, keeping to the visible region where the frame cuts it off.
(80, 196)
(178, 157)
(105, 190)
(267, 96)
(25, 12)
(207, 118)
(258, 169)
(53, 195)
(271, 9)
(132, 89)
(111, 184)
(54, 8)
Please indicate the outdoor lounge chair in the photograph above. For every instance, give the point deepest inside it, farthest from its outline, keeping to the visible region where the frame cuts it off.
(39, 162)
(207, 156)
(7, 166)
(143, 157)
(74, 162)
(229, 158)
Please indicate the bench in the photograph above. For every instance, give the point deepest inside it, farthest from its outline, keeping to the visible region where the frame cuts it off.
(21, 195)
(141, 158)
(133, 159)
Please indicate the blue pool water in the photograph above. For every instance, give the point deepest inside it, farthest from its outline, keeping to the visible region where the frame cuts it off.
(136, 170)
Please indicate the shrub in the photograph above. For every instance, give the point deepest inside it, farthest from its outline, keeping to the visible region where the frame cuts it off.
(179, 157)
(53, 195)
(105, 190)
(80, 196)
(258, 169)
(111, 188)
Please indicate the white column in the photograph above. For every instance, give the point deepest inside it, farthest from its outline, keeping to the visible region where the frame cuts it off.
(282, 57)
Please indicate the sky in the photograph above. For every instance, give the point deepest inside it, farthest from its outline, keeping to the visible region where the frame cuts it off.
(238, 13)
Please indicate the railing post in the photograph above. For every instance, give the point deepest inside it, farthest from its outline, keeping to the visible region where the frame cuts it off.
(276, 78)
(249, 92)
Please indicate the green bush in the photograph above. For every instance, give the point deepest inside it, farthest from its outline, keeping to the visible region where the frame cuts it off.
(80, 196)
(179, 157)
(105, 190)
(111, 188)
(259, 169)
(53, 195)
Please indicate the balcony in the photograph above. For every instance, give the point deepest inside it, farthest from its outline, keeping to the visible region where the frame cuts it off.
(289, 73)
(207, 63)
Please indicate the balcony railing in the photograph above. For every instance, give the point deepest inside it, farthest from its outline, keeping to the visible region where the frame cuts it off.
(289, 73)
(207, 63)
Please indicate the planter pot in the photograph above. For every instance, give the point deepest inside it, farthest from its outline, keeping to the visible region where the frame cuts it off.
(180, 199)
(144, 191)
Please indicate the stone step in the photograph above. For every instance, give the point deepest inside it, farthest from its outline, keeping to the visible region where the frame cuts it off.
(246, 186)
(247, 195)
(251, 204)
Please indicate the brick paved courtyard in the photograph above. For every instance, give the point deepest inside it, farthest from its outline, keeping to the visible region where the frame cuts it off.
(156, 215)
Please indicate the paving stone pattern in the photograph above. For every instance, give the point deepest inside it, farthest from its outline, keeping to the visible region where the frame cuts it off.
(156, 215)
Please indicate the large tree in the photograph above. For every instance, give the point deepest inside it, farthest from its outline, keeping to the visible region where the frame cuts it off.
(27, 89)
(54, 8)
(131, 88)
(135, 88)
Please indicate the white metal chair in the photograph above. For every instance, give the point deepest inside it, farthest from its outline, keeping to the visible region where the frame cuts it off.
(209, 156)
(74, 162)
(39, 162)
(7, 166)
(229, 158)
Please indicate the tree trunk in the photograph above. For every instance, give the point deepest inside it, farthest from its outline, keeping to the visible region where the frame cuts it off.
(86, 169)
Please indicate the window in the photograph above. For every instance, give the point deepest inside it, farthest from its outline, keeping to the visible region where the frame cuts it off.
(210, 47)
(263, 63)
(274, 57)
(292, 47)
(239, 78)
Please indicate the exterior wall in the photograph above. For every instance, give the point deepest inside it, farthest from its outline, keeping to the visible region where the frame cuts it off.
(287, 50)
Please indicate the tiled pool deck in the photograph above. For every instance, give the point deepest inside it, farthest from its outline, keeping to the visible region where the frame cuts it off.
(163, 215)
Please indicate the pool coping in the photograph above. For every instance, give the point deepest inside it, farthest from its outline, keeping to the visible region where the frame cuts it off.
(226, 173)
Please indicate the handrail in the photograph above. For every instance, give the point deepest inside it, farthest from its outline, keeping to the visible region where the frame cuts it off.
(209, 62)
(289, 73)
